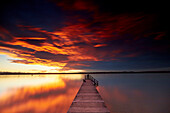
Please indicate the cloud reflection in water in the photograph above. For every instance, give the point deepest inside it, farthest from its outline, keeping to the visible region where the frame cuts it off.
(49, 97)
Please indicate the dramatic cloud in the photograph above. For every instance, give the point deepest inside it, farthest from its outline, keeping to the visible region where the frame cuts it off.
(83, 32)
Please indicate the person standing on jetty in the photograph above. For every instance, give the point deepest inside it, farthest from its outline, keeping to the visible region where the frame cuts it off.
(87, 76)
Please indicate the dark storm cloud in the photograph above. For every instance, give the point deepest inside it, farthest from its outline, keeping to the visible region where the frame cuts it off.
(33, 41)
(50, 56)
(21, 61)
(5, 35)
(40, 13)
(18, 47)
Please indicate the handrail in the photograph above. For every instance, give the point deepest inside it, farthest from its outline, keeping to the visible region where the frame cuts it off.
(89, 77)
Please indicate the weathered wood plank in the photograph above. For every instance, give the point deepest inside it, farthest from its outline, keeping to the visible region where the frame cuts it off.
(88, 100)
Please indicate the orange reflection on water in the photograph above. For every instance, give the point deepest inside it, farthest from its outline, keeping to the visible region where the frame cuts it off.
(53, 97)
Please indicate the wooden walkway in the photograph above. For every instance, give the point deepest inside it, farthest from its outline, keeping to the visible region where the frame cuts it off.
(88, 99)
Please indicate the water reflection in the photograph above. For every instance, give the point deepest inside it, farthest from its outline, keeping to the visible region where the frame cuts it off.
(136, 93)
(43, 94)
(122, 93)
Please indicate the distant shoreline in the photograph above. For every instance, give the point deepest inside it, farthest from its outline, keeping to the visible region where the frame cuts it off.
(120, 72)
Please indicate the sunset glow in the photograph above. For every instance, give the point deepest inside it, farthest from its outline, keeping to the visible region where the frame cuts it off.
(81, 35)
(59, 56)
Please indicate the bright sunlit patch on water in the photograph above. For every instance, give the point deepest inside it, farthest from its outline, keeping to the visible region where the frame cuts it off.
(71, 77)
(37, 94)
(8, 83)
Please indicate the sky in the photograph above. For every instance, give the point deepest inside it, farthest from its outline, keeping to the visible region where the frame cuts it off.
(83, 35)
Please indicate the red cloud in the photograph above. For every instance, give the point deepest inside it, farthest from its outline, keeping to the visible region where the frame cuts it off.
(82, 38)
(100, 45)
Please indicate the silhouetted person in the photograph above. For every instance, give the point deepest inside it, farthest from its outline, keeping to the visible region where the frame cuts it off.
(87, 76)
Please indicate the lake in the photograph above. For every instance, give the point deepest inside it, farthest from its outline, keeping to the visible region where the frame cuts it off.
(122, 93)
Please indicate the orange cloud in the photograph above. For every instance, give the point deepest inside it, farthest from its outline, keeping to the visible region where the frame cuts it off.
(100, 45)
(78, 39)
(71, 43)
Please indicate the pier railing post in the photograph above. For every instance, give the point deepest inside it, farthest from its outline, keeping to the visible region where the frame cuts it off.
(89, 77)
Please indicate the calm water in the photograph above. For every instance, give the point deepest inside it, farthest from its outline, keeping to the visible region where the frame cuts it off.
(122, 93)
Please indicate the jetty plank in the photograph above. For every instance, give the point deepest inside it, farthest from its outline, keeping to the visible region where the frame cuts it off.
(88, 100)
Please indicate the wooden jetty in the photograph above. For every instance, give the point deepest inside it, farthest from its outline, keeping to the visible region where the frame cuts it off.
(88, 99)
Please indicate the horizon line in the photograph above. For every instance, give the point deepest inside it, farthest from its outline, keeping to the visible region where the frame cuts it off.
(104, 72)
